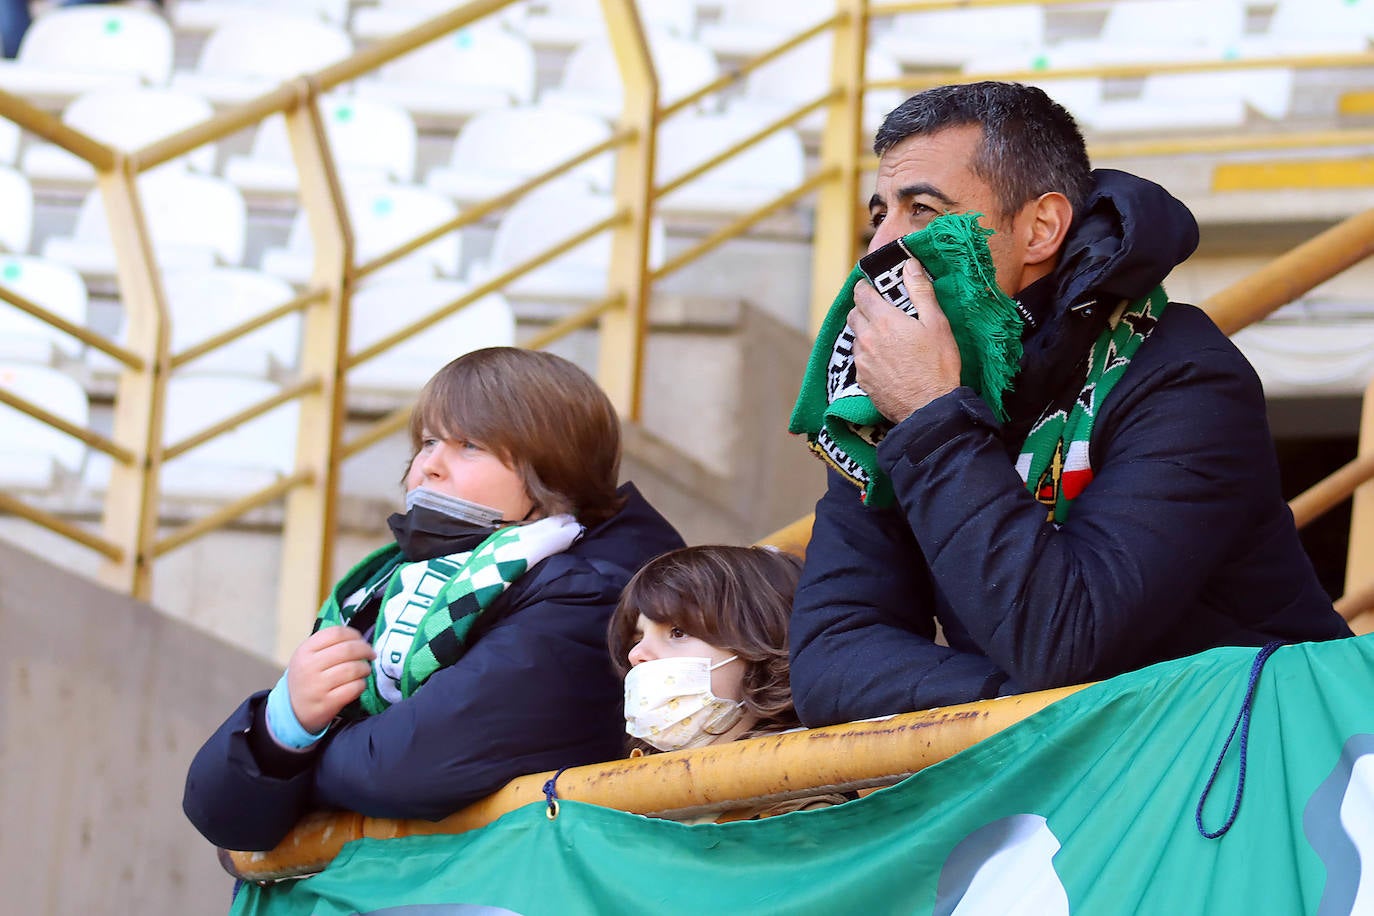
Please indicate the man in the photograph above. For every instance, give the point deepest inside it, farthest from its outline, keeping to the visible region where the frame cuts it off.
(1170, 538)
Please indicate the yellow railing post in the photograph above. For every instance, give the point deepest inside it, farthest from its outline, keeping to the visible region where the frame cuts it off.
(131, 503)
(1359, 567)
(308, 528)
(623, 329)
(836, 239)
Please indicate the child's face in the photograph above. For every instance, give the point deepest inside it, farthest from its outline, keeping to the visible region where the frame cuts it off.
(663, 640)
(462, 468)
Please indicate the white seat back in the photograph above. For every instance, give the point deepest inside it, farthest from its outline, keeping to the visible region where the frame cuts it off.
(30, 450)
(16, 211)
(751, 177)
(591, 71)
(499, 149)
(100, 39)
(130, 118)
(272, 46)
(202, 303)
(240, 461)
(380, 309)
(369, 139)
(183, 211)
(57, 288)
(478, 57)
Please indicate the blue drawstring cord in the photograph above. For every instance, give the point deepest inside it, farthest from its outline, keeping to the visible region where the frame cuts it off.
(1242, 723)
(551, 793)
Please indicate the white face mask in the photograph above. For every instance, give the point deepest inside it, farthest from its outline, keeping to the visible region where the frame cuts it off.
(669, 703)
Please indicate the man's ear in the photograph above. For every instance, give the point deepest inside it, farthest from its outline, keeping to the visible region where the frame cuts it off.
(1047, 225)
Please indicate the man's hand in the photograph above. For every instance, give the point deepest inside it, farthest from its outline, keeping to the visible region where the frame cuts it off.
(326, 673)
(903, 363)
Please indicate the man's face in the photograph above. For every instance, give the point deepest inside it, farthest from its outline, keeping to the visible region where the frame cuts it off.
(926, 175)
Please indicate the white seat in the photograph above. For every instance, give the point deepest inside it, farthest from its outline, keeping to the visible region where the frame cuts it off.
(127, 118)
(741, 183)
(10, 135)
(1312, 358)
(802, 75)
(746, 29)
(1173, 101)
(200, 16)
(382, 308)
(591, 77)
(202, 303)
(497, 150)
(371, 141)
(384, 216)
(238, 462)
(454, 77)
(1081, 95)
(951, 38)
(1314, 27)
(543, 217)
(247, 57)
(57, 288)
(193, 220)
(564, 24)
(31, 451)
(1163, 31)
(392, 16)
(16, 211)
(72, 50)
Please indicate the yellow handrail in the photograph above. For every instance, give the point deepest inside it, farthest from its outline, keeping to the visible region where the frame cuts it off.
(86, 336)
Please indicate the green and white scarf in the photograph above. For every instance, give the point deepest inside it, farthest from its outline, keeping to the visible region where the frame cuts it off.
(428, 607)
(838, 418)
(1054, 460)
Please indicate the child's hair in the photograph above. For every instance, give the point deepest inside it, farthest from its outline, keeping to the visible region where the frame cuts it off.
(541, 415)
(735, 598)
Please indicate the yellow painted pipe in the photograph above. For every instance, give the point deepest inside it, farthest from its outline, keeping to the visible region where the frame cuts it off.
(686, 783)
(792, 538)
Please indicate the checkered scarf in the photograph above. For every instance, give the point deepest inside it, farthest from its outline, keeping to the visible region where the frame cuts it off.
(428, 607)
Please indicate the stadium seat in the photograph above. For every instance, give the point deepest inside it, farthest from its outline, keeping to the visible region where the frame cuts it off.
(381, 308)
(57, 288)
(1328, 357)
(243, 460)
(565, 24)
(1164, 31)
(543, 217)
(952, 38)
(126, 118)
(746, 29)
(72, 50)
(10, 135)
(16, 211)
(247, 57)
(803, 75)
(31, 452)
(384, 216)
(497, 150)
(371, 142)
(1218, 100)
(202, 303)
(391, 16)
(1314, 27)
(741, 183)
(193, 220)
(591, 78)
(200, 16)
(454, 77)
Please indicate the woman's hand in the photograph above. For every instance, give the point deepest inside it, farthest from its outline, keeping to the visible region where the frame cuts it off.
(326, 673)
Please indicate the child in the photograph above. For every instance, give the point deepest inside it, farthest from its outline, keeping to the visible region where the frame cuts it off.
(701, 635)
(470, 650)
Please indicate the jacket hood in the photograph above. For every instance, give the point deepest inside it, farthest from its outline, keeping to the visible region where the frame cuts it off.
(1130, 234)
(630, 538)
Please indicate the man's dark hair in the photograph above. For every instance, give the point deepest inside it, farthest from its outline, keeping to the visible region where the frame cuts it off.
(1031, 144)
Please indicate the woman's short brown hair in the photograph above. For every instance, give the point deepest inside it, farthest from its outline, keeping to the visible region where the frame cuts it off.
(734, 598)
(542, 416)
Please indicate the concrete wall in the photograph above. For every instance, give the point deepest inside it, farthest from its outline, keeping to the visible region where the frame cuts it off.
(103, 701)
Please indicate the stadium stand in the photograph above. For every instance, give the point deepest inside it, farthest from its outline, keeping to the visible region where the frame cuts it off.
(565, 24)
(203, 303)
(591, 81)
(201, 16)
(746, 29)
(16, 211)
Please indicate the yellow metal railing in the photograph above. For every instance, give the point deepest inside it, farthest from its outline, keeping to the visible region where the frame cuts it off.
(130, 539)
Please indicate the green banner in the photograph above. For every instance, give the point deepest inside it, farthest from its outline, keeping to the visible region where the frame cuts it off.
(1087, 807)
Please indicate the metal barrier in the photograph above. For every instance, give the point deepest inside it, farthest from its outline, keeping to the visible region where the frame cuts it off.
(130, 540)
